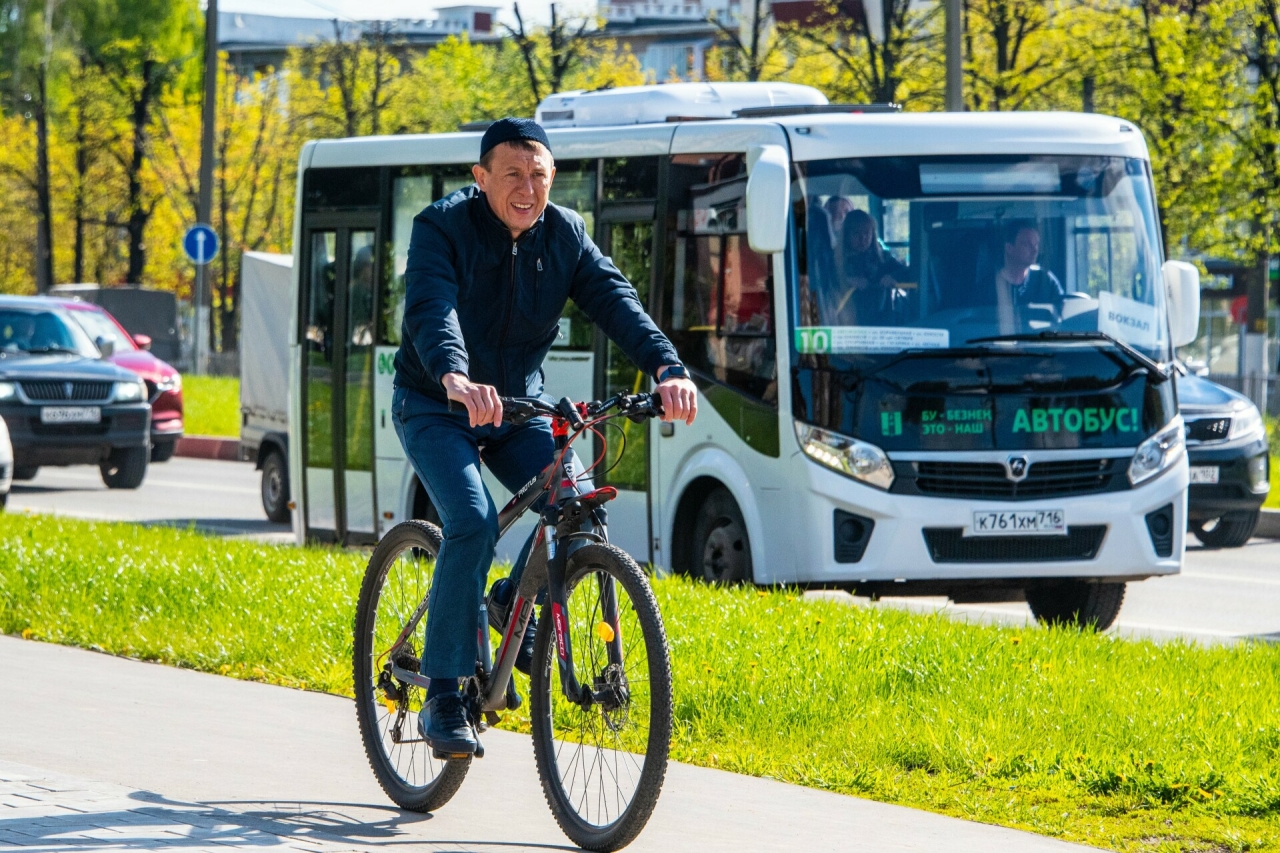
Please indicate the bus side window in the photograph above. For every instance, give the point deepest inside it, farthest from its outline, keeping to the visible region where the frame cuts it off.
(718, 309)
(574, 187)
(411, 191)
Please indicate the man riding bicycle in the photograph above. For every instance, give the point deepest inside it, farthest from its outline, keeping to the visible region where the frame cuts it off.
(490, 270)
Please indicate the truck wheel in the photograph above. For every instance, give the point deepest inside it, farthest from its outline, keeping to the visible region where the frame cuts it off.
(25, 472)
(1082, 604)
(275, 487)
(162, 451)
(126, 467)
(721, 550)
(1230, 531)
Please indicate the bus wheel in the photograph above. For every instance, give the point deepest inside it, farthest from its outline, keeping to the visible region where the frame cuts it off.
(1081, 604)
(721, 551)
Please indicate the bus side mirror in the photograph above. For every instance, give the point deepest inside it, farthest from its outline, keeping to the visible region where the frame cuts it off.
(768, 198)
(1182, 286)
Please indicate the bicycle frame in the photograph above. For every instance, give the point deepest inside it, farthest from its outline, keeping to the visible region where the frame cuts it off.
(545, 566)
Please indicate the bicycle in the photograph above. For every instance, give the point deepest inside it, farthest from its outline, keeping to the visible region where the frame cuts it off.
(609, 694)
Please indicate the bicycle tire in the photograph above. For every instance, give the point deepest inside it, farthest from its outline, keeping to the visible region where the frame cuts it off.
(622, 829)
(445, 777)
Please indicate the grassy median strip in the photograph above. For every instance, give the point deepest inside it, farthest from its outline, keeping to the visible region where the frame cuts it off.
(1128, 745)
(211, 405)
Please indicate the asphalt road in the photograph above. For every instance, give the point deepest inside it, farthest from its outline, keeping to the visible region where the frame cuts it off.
(1220, 595)
(217, 497)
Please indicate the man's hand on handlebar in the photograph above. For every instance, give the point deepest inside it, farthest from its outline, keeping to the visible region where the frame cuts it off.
(679, 399)
(484, 407)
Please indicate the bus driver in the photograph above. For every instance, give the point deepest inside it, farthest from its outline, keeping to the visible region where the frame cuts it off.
(489, 272)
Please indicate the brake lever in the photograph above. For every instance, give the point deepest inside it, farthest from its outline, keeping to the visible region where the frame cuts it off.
(641, 407)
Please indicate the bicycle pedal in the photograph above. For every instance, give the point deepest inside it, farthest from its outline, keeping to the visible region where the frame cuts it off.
(492, 718)
(450, 756)
(513, 696)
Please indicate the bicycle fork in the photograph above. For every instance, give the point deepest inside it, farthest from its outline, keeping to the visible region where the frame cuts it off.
(557, 531)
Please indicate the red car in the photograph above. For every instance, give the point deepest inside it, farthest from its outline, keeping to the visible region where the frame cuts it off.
(164, 383)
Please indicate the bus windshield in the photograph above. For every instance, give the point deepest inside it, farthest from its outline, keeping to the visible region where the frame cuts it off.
(936, 252)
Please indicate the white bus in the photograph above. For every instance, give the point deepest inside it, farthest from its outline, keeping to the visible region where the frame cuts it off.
(931, 348)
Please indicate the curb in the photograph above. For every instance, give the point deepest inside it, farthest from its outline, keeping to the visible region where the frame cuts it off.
(1269, 524)
(208, 447)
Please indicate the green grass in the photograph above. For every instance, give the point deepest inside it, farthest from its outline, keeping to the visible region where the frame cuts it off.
(1122, 744)
(211, 405)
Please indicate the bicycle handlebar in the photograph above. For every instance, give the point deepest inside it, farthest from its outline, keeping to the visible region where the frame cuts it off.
(637, 407)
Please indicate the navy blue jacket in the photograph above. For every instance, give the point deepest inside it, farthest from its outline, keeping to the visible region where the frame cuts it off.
(481, 304)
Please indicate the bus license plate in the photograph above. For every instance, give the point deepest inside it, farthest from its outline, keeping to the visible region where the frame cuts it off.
(70, 415)
(1204, 474)
(1020, 522)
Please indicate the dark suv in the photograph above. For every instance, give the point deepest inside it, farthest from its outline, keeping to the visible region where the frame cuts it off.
(1230, 466)
(63, 404)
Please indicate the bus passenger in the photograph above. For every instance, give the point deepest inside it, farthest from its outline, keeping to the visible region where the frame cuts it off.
(869, 276)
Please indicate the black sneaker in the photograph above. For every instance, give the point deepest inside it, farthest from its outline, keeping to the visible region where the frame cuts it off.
(443, 724)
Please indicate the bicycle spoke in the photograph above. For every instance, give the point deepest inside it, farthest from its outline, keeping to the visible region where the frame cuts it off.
(596, 750)
(405, 586)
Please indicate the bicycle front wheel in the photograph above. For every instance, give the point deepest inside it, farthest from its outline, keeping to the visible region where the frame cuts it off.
(602, 766)
(390, 619)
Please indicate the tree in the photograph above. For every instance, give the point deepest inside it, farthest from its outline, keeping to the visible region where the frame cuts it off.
(140, 47)
(752, 45)
(27, 51)
(1176, 72)
(1014, 52)
(874, 58)
(553, 55)
(345, 87)
(1258, 148)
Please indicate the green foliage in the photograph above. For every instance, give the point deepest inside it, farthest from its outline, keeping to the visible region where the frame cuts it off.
(461, 82)
(1202, 79)
(1126, 745)
(211, 405)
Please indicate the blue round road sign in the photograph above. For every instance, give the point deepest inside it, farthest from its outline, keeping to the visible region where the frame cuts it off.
(200, 243)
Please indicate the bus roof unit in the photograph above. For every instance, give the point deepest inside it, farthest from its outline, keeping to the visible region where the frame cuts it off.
(654, 104)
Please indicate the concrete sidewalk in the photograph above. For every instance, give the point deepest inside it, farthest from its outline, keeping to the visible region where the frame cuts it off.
(113, 753)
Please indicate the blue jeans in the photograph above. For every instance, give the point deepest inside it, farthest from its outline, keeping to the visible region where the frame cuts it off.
(445, 452)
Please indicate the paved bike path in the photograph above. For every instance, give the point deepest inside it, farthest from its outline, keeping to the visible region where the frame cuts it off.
(154, 757)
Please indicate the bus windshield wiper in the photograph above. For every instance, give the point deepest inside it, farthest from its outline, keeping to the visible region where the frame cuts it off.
(1146, 362)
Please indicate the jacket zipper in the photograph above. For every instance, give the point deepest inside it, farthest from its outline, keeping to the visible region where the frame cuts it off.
(511, 307)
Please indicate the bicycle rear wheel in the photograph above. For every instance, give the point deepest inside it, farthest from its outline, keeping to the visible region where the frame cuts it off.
(602, 767)
(395, 588)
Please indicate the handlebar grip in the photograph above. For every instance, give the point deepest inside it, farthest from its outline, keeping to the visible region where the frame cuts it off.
(567, 410)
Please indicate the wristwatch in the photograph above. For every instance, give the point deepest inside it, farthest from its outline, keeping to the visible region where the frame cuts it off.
(672, 371)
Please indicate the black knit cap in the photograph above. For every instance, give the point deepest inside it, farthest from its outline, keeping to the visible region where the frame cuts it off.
(510, 130)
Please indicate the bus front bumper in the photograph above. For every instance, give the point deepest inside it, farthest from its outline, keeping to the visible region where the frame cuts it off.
(1111, 535)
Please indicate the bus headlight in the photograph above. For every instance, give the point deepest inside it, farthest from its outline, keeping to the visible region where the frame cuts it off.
(849, 456)
(1159, 453)
(129, 392)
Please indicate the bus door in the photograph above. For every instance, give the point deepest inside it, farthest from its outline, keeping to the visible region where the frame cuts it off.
(626, 235)
(340, 269)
